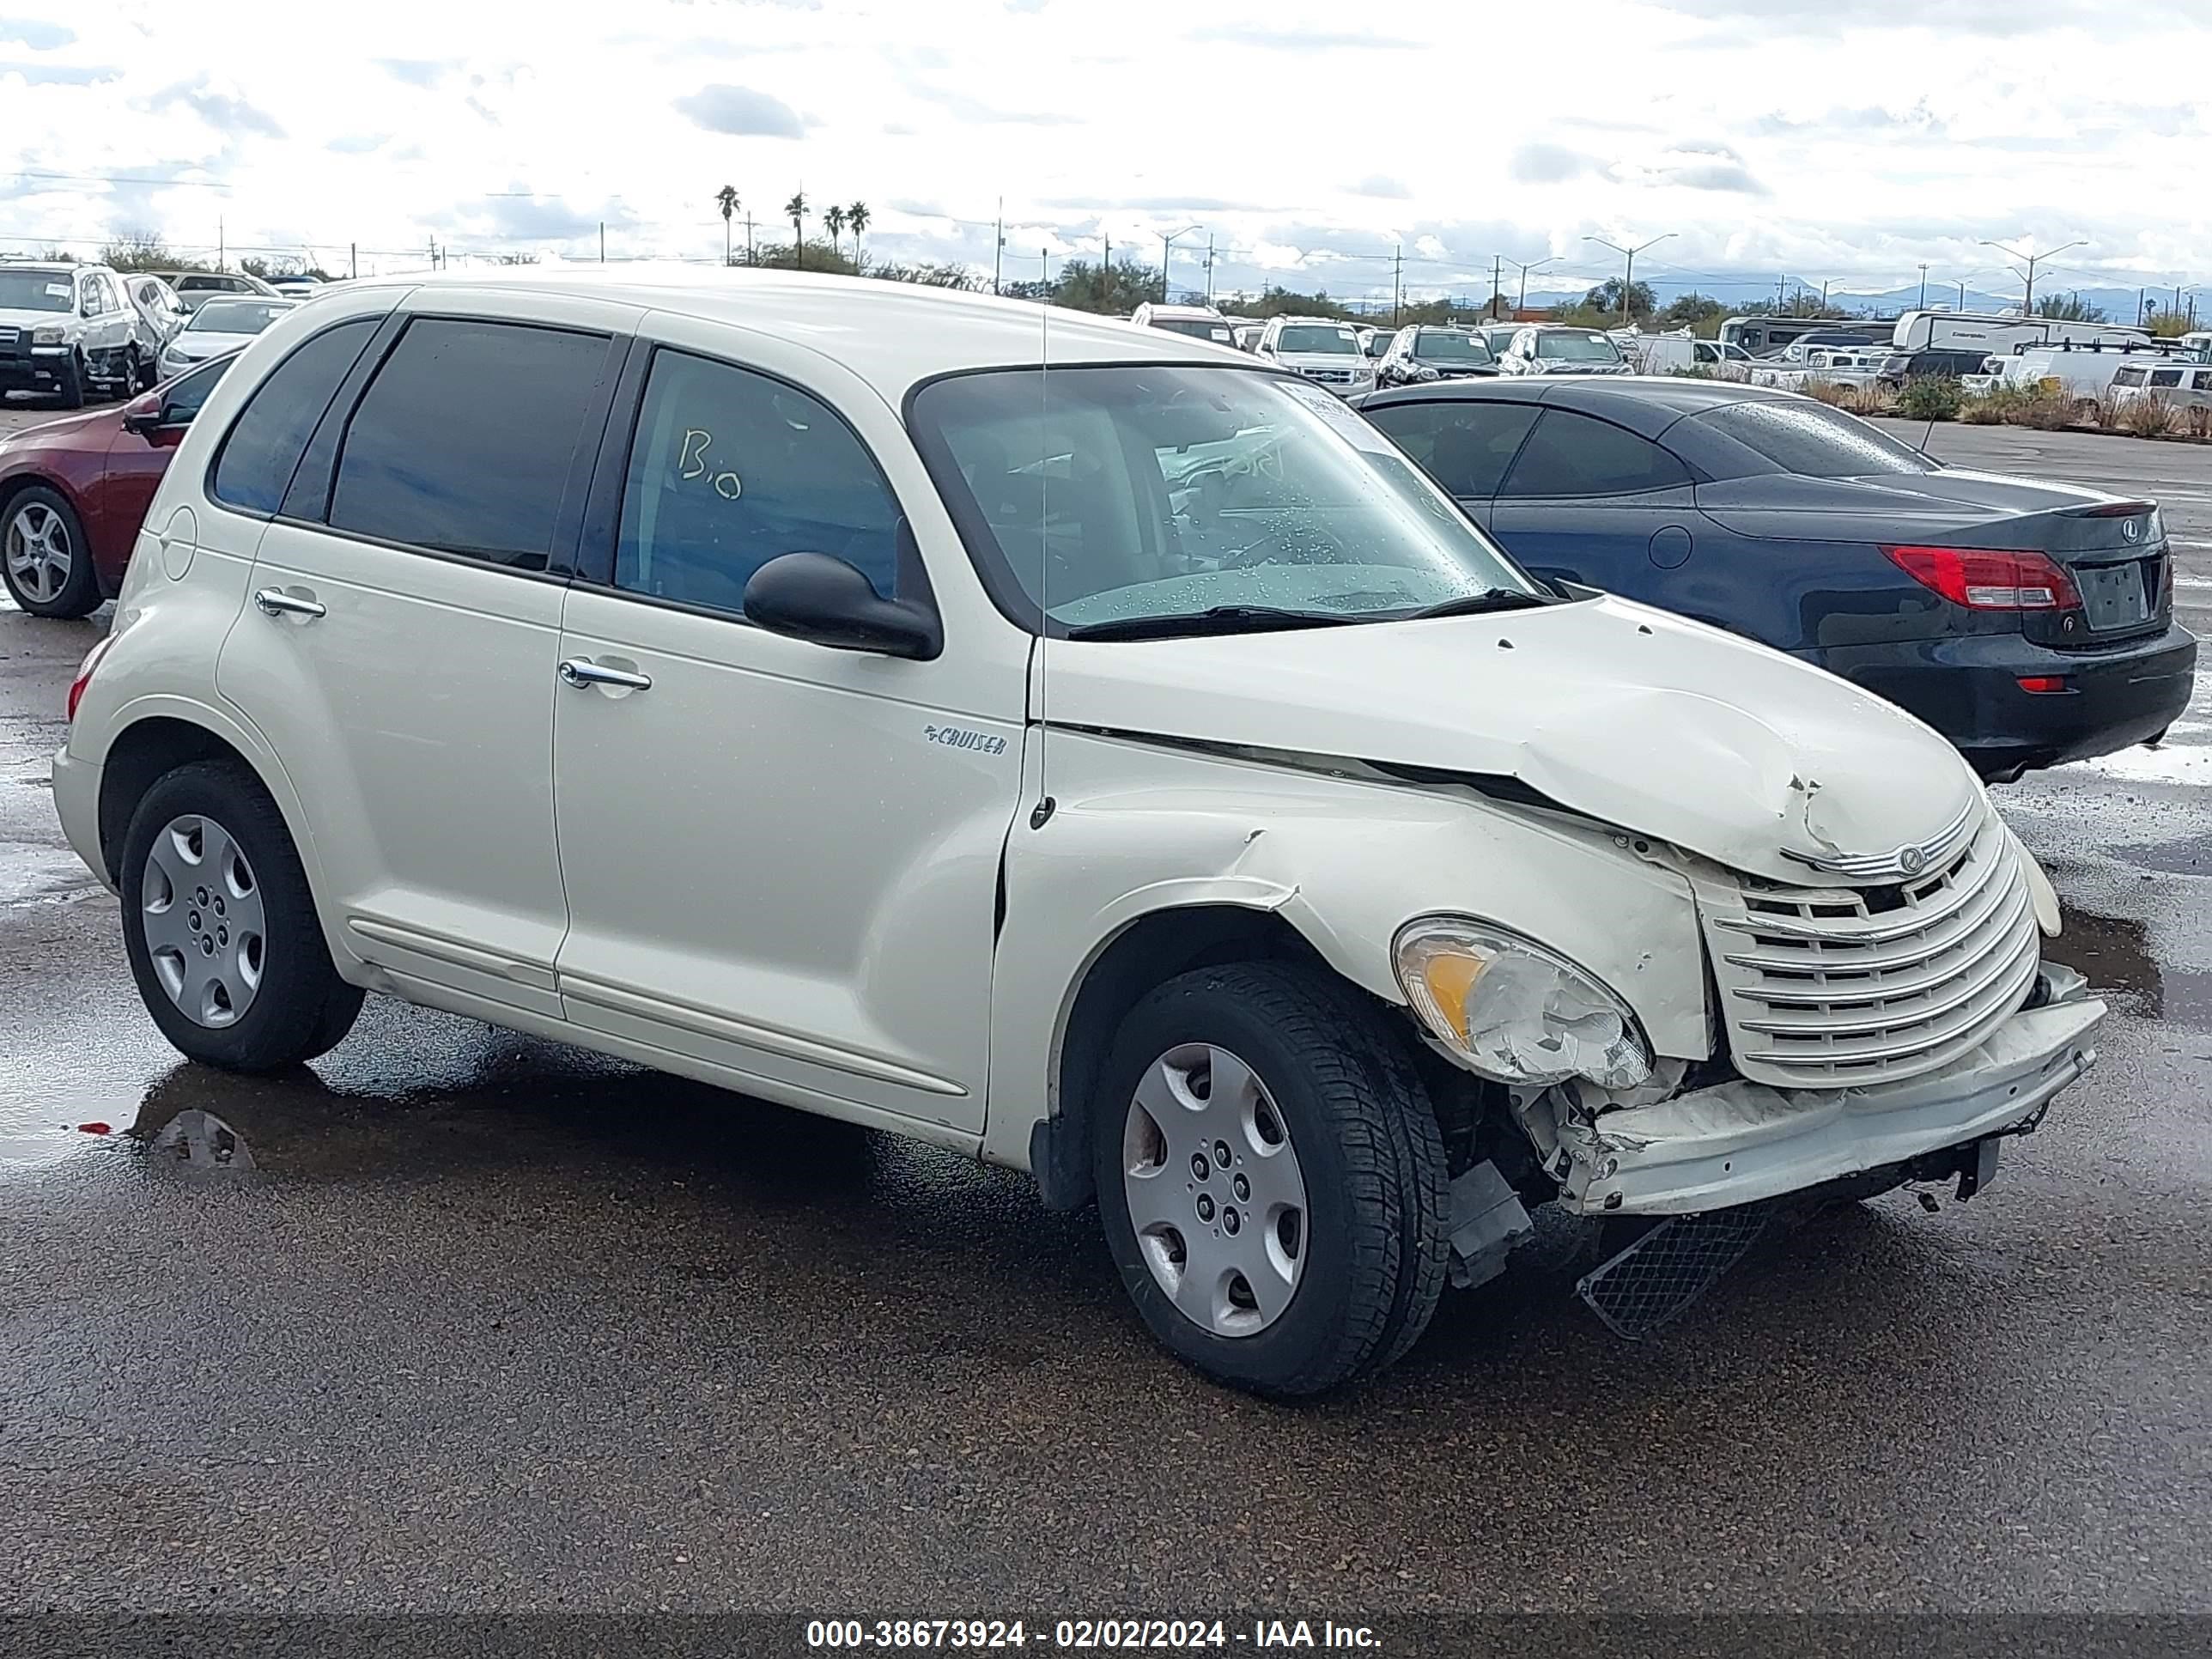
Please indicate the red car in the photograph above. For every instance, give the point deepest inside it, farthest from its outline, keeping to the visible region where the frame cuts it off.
(73, 493)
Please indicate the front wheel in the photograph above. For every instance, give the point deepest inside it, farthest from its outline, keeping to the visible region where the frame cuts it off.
(1271, 1178)
(221, 929)
(69, 382)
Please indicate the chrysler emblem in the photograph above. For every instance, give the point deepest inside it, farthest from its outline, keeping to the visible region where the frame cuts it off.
(1911, 860)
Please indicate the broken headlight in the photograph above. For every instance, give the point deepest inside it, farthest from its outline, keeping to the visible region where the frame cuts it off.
(1514, 1011)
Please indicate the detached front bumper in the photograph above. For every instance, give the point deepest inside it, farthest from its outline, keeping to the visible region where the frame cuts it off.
(1741, 1142)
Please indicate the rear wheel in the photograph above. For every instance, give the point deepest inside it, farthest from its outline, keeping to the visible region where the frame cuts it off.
(221, 928)
(1271, 1179)
(44, 558)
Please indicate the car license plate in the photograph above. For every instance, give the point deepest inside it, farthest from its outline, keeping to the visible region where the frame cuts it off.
(2113, 595)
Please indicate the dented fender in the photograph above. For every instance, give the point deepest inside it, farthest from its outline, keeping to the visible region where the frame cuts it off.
(1139, 828)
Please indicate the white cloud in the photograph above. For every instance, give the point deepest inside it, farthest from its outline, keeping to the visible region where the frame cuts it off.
(1824, 138)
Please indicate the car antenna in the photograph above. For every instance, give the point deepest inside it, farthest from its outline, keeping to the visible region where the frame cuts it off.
(1043, 811)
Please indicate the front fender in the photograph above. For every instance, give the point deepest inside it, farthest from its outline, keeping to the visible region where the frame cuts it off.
(1141, 829)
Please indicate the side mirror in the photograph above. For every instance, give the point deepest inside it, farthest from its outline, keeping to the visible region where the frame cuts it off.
(813, 595)
(143, 415)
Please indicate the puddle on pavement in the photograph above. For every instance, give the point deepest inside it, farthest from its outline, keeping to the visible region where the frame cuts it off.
(32, 1134)
(2115, 952)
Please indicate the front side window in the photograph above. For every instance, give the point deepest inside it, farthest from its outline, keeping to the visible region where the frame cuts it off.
(2129, 377)
(1465, 446)
(1313, 338)
(1120, 496)
(729, 469)
(2165, 377)
(464, 442)
(264, 443)
(1571, 455)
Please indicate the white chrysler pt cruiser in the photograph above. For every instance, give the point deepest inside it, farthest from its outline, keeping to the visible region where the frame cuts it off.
(1088, 748)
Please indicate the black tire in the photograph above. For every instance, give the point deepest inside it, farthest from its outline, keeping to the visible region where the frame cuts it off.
(79, 592)
(1376, 1249)
(302, 1008)
(69, 388)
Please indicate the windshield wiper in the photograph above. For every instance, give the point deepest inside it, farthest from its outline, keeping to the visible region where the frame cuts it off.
(1475, 604)
(1216, 619)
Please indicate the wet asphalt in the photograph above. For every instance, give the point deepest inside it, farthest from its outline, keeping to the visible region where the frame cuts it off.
(495, 1324)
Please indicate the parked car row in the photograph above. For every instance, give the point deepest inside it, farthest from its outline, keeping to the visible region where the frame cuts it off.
(1383, 888)
(75, 331)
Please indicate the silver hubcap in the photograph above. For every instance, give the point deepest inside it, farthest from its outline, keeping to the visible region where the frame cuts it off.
(203, 921)
(39, 556)
(1214, 1190)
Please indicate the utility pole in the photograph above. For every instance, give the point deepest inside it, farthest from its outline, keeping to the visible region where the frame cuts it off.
(219, 249)
(1167, 247)
(1824, 296)
(1628, 281)
(353, 258)
(2142, 299)
(1962, 294)
(1398, 285)
(2027, 301)
(1497, 282)
(1044, 265)
(1781, 283)
(749, 239)
(1923, 287)
(999, 248)
(603, 241)
(1209, 267)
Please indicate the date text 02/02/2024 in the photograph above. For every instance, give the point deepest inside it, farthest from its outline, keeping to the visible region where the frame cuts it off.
(1084, 1634)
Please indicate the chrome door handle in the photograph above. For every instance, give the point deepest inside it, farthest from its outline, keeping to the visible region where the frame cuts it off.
(583, 671)
(276, 602)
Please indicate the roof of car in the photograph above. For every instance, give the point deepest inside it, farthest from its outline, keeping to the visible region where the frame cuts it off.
(908, 332)
(1644, 404)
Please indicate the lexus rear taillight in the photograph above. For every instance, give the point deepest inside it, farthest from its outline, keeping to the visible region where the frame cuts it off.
(85, 674)
(1982, 579)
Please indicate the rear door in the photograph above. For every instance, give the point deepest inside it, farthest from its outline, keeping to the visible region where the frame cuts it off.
(404, 635)
(1464, 443)
(1586, 501)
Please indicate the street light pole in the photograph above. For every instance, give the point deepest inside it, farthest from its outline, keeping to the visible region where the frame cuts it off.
(1533, 264)
(1628, 281)
(2027, 301)
(1167, 247)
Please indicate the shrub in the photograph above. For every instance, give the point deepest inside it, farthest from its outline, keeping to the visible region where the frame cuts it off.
(1930, 399)
(1873, 399)
(2147, 417)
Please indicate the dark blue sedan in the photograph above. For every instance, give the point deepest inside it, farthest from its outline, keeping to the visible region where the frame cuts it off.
(2029, 623)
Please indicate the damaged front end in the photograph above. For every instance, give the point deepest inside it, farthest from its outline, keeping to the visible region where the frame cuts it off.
(1864, 1037)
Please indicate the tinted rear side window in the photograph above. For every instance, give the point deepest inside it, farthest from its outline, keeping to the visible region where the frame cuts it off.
(1571, 455)
(464, 442)
(1750, 439)
(1463, 445)
(264, 443)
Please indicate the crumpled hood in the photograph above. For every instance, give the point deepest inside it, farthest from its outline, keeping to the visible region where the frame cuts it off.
(1643, 720)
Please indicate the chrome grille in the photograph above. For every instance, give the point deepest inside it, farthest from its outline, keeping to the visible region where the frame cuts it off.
(1831, 987)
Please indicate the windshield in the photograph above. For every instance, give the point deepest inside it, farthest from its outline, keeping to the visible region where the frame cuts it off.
(237, 316)
(1445, 347)
(1800, 436)
(36, 290)
(1309, 338)
(1118, 494)
(1563, 345)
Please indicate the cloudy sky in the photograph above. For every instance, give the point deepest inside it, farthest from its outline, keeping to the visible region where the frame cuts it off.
(1842, 139)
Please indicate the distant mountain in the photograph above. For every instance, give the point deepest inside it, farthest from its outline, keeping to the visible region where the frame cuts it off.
(2118, 304)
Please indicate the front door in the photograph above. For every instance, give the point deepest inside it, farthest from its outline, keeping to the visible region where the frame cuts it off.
(781, 860)
(401, 653)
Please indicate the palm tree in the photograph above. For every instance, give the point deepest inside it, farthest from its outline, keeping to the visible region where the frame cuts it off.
(835, 219)
(726, 199)
(857, 216)
(796, 208)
